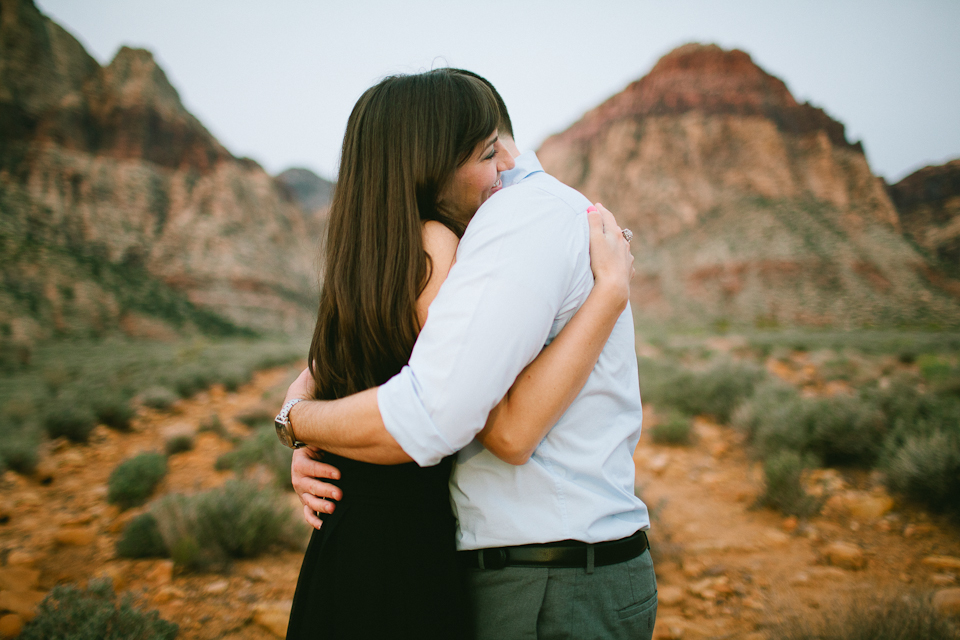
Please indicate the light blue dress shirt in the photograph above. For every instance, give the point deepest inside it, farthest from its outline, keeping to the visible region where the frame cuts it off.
(522, 271)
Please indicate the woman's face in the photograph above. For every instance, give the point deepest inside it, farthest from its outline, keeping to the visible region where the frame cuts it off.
(477, 179)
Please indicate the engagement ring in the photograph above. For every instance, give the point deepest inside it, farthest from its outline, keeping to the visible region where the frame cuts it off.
(627, 235)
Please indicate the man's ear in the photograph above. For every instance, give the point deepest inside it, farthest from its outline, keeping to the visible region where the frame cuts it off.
(509, 144)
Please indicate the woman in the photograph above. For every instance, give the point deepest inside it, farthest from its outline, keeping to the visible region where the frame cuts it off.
(420, 155)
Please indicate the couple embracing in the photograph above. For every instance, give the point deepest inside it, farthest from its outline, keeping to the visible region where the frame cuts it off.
(467, 421)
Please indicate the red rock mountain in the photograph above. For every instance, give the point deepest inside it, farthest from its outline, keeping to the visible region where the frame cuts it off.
(120, 209)
(748, 207)
(928, 203)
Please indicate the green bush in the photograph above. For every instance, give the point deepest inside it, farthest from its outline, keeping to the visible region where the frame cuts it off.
(783, 490)
(260, 448)
(896, 616)
(57, 375)
(841, 430)
(213, 424)
(242, 519)
(675, 430)
(192, 379)
(68, 418)
(132, 482)
(932, 368)
(178, 444)
(158, 398)
(926, 469)
(257, 417)
(237, 520)
(20, 408)
(233, 375)
(94, 613)
(715, 392)
(19, 449)
(141, 538)
(113, 409)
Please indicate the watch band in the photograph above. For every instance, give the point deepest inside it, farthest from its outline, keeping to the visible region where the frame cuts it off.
(284, 415)
(285, 428)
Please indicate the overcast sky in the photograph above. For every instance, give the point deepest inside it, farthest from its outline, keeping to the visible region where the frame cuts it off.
(276, 79)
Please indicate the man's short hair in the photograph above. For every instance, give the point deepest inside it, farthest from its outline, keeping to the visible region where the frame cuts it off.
(505, 125)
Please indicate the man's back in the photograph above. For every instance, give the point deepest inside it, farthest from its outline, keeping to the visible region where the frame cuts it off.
(522, 271)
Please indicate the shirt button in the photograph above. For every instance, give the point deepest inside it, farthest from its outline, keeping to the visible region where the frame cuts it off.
(561, 472)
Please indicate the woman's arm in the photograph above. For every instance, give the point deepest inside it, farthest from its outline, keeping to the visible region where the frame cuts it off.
(549, 384)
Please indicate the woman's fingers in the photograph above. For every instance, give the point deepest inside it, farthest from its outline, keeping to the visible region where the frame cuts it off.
(317, 503)
(610, 225)
(311, 517)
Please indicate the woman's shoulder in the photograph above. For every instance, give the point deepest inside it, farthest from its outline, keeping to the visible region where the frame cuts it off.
(439, 242)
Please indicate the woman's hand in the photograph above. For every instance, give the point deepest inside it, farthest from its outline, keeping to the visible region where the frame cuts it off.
(610, 257)
(305, 473)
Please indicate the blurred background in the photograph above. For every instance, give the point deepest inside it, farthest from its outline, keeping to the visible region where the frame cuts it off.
(791, 172)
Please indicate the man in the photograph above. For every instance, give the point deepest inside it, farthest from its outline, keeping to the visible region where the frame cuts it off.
(556, 546)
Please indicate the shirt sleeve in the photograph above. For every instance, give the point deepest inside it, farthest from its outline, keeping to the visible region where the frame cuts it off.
(491, 318)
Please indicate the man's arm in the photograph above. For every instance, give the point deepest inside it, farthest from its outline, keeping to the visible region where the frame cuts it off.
(491, 318)
(350, 427)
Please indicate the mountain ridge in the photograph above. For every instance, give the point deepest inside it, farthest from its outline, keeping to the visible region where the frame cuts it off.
(748, 208)
(104, 165)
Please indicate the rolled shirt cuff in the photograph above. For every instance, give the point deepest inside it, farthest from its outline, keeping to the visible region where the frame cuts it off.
(407, 420)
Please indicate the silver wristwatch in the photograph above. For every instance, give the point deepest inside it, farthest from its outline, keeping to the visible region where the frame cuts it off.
(284, 429)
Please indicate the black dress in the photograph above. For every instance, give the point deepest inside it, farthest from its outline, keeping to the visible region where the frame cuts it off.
(384, 564)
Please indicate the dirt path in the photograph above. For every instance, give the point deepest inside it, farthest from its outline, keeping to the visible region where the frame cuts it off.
(725, 570)
(728, 570)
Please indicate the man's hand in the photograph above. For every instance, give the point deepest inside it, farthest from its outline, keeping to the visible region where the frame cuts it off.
(305, 472)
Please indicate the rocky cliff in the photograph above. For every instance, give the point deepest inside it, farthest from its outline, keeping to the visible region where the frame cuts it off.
(928, 204)
(120, 209)
(747, 206)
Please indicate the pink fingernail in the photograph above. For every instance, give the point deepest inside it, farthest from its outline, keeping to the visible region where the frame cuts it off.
(591, 209)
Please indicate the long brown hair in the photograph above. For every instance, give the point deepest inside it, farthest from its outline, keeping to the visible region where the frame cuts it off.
(404, 140)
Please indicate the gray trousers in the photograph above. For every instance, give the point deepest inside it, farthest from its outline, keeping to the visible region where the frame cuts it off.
(540, 603)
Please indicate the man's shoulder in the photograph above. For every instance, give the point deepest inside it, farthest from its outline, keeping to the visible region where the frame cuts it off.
(553, 193)
(536, 196)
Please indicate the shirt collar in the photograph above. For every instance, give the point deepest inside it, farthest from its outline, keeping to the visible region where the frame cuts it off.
(526, 164)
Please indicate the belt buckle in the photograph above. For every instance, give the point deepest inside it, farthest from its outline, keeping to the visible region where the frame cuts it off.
(493, 558)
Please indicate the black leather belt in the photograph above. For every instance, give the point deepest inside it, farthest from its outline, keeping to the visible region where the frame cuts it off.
(566, 553)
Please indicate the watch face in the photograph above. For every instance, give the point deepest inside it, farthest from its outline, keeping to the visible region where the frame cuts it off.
(283, 432)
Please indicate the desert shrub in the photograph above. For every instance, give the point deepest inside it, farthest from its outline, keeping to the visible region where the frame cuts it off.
(132, 482)
(933, 368)
(716, 391)
(260, 448)
(675, 430)
(20, 408)
(257, 416)
(158, 398)
(237, 520)
(178, 444)
(897, 616)
(141, 538)
(19, 448)
(56, 376)
(66, 417)
(233, 375)
(926, 469)
(193, 378)
(242, 519)
(769, 419)
(213, 424)
(94, 613)
(841, 430)
(113, 409)
(14, 354)
(784, 490)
